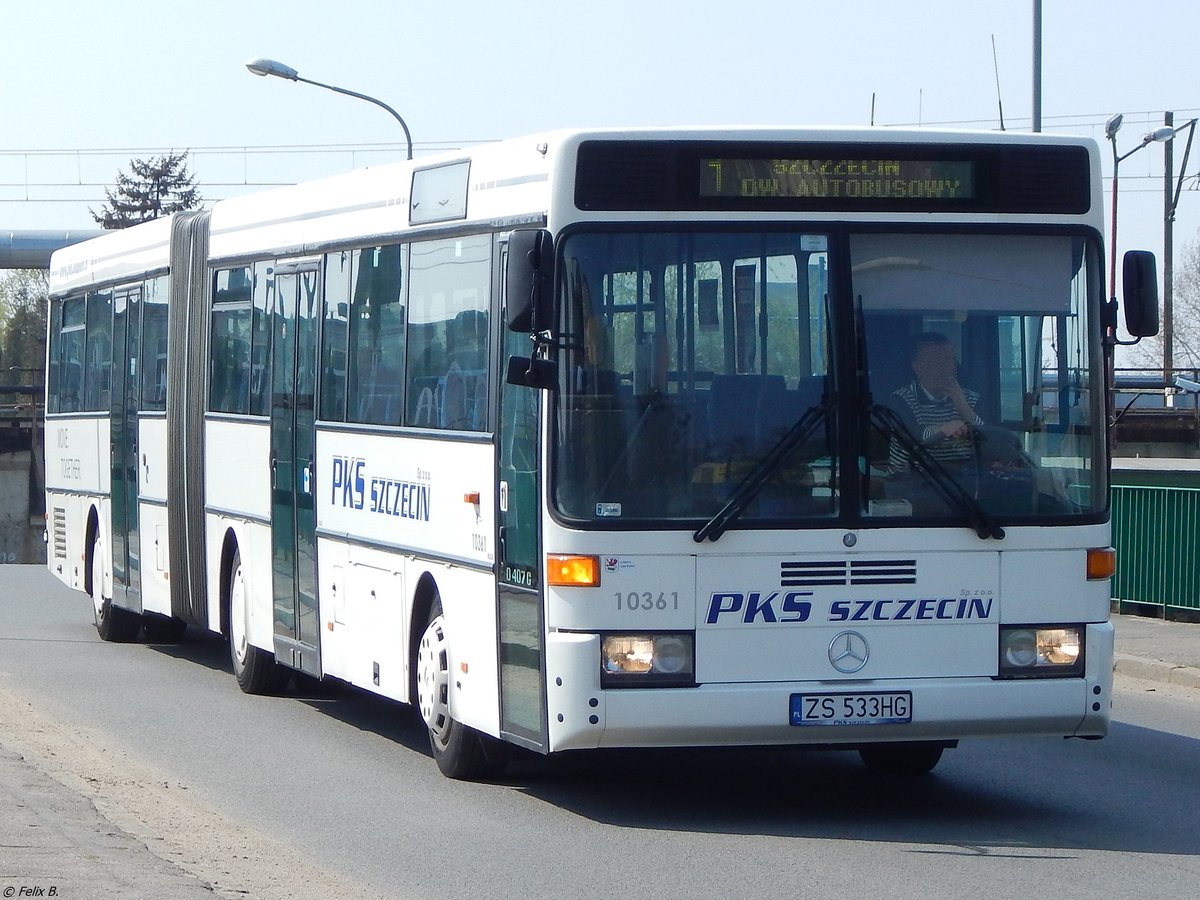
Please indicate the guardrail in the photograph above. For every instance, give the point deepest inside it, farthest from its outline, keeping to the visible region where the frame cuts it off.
(1149, 389)
(1156, 530)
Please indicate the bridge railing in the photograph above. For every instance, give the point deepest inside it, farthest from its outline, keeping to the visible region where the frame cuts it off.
(1148, 389)
(1156, 530)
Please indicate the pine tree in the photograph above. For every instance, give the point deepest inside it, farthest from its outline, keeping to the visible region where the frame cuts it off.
(158, 187)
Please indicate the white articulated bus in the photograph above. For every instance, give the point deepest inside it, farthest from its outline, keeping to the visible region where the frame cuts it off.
(618, 438)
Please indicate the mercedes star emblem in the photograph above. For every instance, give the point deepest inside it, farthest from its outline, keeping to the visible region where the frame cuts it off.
(849, 652)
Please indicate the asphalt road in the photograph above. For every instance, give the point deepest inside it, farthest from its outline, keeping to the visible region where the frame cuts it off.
(333, 793)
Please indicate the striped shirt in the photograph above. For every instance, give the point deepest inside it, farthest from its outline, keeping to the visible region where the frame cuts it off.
(925, 414)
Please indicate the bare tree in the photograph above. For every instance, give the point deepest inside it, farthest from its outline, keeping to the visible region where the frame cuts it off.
(158, 187)
(1185, 315)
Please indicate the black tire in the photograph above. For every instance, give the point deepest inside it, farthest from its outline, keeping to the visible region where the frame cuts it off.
(254, 668)
(460, 752)
(162, 629)
(112, 622)
(901, 759)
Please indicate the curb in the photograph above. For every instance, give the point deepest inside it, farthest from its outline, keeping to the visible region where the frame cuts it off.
(1157, 670)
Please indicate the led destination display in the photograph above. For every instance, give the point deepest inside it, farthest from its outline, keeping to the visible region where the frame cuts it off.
(837, 179)
(831, 176)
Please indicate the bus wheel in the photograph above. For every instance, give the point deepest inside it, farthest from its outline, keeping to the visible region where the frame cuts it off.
(255, 669)
(162, 629)
(901, 759)
(458, 750)
(112, 622)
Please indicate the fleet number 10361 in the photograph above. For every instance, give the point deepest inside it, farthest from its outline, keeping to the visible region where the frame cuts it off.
(647, 600)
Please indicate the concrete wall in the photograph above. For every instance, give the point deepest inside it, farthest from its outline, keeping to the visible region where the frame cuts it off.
(20, 534)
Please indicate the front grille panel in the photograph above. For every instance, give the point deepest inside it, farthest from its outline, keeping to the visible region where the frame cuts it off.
(841, 573)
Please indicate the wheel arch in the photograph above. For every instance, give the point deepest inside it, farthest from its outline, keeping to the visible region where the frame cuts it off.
(90, 532)
(424, 595)
(229, 549)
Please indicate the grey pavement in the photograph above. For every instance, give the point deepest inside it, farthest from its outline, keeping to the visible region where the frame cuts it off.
(52, 837)
(55, 843)
(1158, 650)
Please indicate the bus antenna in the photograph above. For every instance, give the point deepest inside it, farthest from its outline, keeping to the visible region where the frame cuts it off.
(996, 67)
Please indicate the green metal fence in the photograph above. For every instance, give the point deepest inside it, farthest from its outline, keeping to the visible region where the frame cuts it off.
(1156, 530)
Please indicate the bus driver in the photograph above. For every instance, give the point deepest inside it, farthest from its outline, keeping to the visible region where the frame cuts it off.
(939, 412)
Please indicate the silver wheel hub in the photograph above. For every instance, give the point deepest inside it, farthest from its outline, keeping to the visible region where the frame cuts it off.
(433, 680)
(238, 626)
(98, 580)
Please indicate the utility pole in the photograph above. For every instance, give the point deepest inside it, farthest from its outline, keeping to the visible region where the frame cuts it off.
(1168, 329)
(1037, 65)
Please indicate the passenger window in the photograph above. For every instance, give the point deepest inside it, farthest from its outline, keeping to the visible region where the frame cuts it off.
(260, 340)
(375, 364)
(154, 345)
(334, 335)
(97, 377)
(447, 373)
(229, 375)
(65, 393)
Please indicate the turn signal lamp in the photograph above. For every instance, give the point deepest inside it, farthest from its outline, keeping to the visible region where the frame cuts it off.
(572, 571)
(1101, 563)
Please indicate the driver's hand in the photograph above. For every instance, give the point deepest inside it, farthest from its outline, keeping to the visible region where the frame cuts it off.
(955, 428)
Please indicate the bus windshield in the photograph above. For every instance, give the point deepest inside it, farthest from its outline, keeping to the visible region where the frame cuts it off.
(790, 378)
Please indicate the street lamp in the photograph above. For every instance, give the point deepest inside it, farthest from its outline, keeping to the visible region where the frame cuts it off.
(1171, 190)
(279, 70)
(1111, 127)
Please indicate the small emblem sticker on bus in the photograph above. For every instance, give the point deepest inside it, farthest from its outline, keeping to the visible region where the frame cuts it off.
(608, 509)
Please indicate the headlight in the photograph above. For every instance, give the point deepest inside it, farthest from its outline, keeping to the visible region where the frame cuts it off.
(647, 660)
(1035, 651)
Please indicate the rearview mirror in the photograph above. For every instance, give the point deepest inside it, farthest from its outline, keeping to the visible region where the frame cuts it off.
(529, 281)
(532, 372)
(1140, 282)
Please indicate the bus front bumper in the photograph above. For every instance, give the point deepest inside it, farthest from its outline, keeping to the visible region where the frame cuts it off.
(582, 715)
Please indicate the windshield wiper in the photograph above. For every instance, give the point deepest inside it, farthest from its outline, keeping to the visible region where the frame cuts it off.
(958, 496)
(750, 486)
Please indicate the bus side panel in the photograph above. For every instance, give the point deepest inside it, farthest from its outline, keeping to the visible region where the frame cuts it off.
(152, 460)
(431, 498)
(253, 542)
(364, 610)
(366, 603)
(338, 639)
(74, 455)
(237, 488)
(237, 468)
(67, 526)
(152, 532)
(152, 513)
(75, 478)
(469, 604)
(417, 507)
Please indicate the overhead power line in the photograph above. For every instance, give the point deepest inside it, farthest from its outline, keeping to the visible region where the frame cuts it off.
(18, 184)
(428, 146)
(1095, 120)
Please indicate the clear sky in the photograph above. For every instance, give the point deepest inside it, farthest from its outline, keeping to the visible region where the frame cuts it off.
(88, 84)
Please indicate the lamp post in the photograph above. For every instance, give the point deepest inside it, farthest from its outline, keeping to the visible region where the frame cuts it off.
(1171, 191)
(1111, 127)
(279, 70)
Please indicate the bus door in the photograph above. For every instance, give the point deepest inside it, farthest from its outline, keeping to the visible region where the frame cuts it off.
(123, 435)
(294, 302)
(519, 589)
